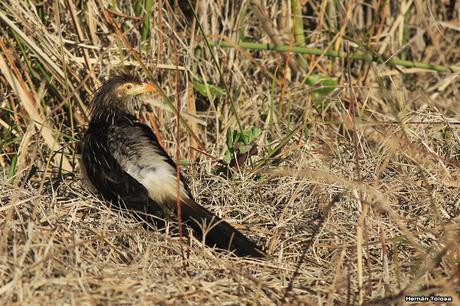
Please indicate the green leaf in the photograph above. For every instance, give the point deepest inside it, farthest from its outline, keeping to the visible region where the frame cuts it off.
(321, 87)
(230, 140)
(227, 157)
(249, 135)
(205, 88)
(184, 162)
(240, 142)
(12, 168)
(325, 84)
(313, 79)
(255, 133)
(245, 148)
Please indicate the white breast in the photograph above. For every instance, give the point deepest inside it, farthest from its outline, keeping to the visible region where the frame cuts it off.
(146, 163)
(160, 181)
(154, 172)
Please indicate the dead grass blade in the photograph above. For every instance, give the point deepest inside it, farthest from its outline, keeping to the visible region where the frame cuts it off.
(27, 100)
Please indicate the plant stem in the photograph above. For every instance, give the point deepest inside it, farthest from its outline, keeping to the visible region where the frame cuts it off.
(299, 31)
(393, 61)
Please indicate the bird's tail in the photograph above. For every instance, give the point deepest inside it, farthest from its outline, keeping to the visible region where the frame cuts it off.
(216, 231)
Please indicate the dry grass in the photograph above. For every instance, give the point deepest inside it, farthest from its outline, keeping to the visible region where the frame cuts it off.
(355, 193)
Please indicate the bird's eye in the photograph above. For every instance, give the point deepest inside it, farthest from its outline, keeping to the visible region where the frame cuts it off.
(128, 86)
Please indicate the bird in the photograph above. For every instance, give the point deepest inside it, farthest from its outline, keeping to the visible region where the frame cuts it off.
(123, 161)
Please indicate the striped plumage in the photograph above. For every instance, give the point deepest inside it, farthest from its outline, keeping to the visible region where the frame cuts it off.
(123, 160)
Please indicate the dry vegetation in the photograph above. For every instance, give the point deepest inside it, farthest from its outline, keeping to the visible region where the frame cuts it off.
(354, 188)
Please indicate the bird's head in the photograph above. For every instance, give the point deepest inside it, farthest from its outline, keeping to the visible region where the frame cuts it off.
(123, 93)
(130, 90)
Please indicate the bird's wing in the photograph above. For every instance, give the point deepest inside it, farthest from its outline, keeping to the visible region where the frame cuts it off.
(107, 176)
(139, 154)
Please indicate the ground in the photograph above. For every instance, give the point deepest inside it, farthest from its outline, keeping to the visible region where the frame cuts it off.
(352, 180)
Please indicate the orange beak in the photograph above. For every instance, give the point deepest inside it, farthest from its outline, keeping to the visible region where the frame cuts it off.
(149, 87)
(138, 89)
